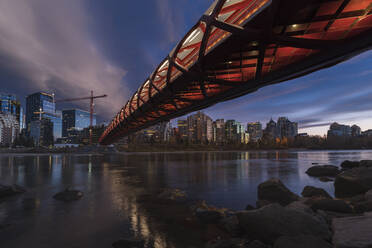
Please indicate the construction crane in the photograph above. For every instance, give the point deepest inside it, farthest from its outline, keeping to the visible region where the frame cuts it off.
(91, 98)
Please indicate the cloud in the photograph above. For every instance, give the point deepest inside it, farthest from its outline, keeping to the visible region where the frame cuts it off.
(169, 22)
(49, 44)
(365, 73)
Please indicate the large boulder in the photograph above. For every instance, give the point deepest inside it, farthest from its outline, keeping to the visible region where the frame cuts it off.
(339, 206)
(352, 232)
(368, 195)
(271, 222)
(68, 195)
(366, 163)
(364, 206)
(6, 191)
(229, 243)
(353, 182)
(323, 171)
(303, 241)
(349, 164)
(310, 191)
(274, 191)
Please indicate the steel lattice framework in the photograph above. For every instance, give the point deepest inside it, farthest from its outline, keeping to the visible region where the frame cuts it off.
(239, 46)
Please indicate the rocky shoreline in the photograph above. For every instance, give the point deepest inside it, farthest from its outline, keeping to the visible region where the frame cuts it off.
(281, 219)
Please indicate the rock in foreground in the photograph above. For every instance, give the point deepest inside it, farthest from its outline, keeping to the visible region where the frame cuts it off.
(323, 171)
(349, 164)
(10, 190)
(274, 191)
(353, 182)
(310, 191)
(129, 243)
(338, 206)
(68, 195)
(353, 232)
(273, 221)
(303, 241)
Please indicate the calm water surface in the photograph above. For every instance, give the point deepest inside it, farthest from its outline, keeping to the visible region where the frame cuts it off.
(109, 210)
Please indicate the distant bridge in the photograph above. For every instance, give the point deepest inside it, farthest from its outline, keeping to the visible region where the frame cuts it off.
(239, 46)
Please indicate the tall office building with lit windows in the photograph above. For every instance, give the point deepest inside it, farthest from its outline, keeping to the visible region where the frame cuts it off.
(41, 105)
(75, 120)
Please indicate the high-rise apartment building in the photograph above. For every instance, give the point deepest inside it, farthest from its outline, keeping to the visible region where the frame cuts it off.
(182, 129)
(218, 130)
(286, 128)
(254, 129)
(339, 130)
(9, 129)
(199, 128)
(234, 131)
(356, 131)
(10, 105)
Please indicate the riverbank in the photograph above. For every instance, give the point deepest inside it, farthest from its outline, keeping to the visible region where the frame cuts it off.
(280, 219)
(59, 150)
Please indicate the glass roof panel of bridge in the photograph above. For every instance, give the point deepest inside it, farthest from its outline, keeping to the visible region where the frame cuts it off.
(238, 12)
(160, 78)
(144, 95)
(189, 51)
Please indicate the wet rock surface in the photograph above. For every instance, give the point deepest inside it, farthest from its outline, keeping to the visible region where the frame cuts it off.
(68, 195)
(172, 194)
(6, 191)
(129, 243)
(325, 179)
(339, 206)
(273, 221)
(274, 191)
(353, 182)
(353, 232)
(310, 191)
(323, 171)
(349, 164)
(303, 241)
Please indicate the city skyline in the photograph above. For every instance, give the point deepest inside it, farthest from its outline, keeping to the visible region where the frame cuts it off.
(118, 63)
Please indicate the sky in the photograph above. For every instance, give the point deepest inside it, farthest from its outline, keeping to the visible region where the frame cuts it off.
(70, 47)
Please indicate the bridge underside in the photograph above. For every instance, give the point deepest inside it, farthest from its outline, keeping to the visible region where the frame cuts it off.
(239, 46)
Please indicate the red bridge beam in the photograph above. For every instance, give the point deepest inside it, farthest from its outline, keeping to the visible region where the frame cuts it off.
(239, 46)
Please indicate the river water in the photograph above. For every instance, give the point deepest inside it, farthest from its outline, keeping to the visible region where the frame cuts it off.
(112, 183)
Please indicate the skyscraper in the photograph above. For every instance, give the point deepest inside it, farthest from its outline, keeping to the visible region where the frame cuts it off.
(42, 132)
(254, 130)
(199, 128)
(182, 129)
(286, 128)
(75, 119)
(234, 131)
(219, 131)
(271, 129)
(41, 105)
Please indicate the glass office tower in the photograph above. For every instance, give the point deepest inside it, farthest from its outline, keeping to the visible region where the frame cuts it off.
(42, 105)
(75, 120)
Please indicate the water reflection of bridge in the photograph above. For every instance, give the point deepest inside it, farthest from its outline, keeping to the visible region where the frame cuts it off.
(239, 46)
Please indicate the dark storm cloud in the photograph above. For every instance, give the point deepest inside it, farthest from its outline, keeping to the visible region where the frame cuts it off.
(47, 45)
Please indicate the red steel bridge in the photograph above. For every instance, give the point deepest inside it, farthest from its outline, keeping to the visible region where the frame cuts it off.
(239, 46)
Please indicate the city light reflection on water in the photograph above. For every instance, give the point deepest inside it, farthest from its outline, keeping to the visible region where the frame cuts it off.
(112, 185)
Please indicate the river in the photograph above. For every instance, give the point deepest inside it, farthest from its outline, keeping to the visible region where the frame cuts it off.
(112, 183)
